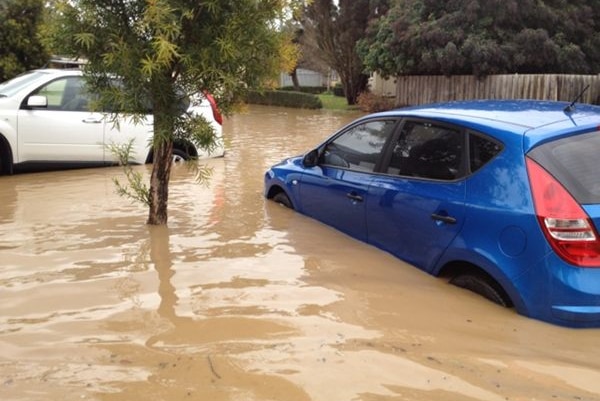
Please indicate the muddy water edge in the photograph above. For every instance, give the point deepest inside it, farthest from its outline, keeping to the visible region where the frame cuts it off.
(240, 299)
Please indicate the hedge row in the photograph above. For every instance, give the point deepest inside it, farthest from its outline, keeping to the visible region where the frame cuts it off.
(315, 90)
(285, 99)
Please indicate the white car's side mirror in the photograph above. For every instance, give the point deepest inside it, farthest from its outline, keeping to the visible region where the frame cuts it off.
(37, 101)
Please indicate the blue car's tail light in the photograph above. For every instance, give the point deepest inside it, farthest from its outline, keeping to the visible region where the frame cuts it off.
(567, 227)
(570, 230)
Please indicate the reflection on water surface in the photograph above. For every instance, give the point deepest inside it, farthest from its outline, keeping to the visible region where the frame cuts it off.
(240, 299)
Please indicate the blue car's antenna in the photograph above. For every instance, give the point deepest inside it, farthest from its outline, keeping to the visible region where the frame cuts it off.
(571, 106)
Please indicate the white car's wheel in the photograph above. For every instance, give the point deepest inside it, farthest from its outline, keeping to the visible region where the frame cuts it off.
(179, 156)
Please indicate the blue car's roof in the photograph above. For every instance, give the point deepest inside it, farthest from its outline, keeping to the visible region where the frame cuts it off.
(537, 120)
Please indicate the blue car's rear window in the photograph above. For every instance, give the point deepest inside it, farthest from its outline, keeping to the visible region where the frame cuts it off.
(574, 161)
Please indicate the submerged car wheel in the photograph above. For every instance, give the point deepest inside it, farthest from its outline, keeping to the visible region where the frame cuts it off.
(483, 285)
(180, 156)
(283, 199)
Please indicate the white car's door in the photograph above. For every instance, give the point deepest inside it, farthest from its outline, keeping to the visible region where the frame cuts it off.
(126, 129)
(63, 130)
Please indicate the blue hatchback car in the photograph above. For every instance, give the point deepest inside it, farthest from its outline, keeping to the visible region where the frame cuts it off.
(501, 197)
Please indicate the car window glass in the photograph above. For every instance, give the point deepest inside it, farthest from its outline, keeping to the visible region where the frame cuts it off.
(360, 147)
(574, 162)
(54, 92)
(481, 151)
(9, 88)
(68, 94)
(143, 101)
(427, 150)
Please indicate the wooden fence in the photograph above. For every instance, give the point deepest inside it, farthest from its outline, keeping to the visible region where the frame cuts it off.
(413, 90)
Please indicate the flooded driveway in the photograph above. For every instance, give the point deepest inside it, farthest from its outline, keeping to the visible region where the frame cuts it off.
(240, 299)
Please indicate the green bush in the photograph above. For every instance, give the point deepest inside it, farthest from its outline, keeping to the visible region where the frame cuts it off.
(338, 90)
(315, 90)
(285, 99)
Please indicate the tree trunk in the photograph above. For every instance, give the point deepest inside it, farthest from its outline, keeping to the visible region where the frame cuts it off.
(354, 86)
(295, 81)
(159, 181)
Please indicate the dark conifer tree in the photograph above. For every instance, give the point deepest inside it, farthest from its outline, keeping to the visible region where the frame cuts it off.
(20, 47)
(483, 37)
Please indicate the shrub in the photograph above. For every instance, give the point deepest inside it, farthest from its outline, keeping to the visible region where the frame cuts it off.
(372, 103)
(285, 99)
(338, 90)
(315, 90)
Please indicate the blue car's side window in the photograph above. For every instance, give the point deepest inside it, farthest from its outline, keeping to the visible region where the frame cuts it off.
(481, 151)
(427, 150)
(360, 147)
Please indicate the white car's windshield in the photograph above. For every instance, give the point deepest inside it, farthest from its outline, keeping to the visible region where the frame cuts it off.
(12, 86)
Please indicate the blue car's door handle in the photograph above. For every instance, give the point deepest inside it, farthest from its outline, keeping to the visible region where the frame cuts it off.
(354, 196)
(444, 219)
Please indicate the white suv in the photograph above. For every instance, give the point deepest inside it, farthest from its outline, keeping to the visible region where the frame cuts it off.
(45, 119)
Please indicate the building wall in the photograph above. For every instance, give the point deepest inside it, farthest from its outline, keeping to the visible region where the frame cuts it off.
(305, 77)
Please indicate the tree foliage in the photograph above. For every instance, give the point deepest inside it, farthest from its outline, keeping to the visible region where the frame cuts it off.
(483, 37)
(163, 50)
(20, 46)
(334, 30)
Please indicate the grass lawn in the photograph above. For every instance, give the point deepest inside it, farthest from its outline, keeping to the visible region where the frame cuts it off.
(331, 102)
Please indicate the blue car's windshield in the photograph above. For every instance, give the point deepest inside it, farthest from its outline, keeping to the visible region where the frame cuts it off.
(10, 87)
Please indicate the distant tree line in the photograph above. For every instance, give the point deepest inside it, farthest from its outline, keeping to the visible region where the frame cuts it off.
(391, 37)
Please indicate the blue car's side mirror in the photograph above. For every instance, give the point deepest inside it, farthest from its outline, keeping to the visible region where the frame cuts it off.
(311, 159)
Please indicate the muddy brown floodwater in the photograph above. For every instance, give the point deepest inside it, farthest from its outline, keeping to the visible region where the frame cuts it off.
(240, 299)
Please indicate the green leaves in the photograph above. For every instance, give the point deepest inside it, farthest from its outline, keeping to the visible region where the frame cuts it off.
(85, 40)
(135, 189)
(21, 47)
(165, 52)
(483, 37)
